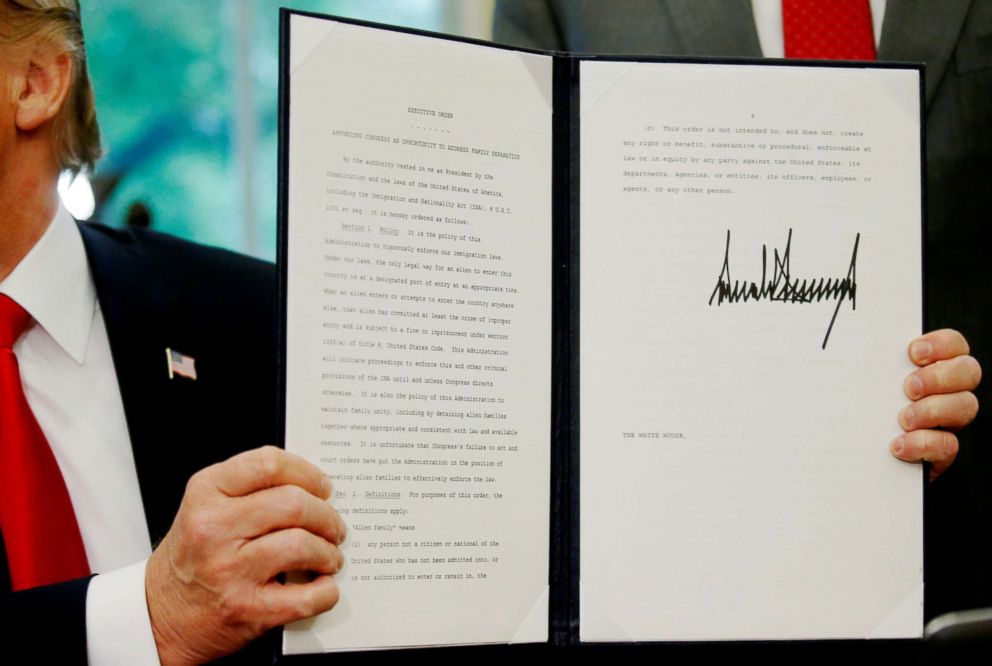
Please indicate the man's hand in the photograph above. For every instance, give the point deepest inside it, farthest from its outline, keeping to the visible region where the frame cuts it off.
(943, 402)
(211, 583)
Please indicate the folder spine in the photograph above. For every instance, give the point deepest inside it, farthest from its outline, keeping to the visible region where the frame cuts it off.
(564, 555)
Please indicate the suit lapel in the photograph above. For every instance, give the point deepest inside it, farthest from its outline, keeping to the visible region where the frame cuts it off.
(714, 27)
(922, 31)
(138, 307)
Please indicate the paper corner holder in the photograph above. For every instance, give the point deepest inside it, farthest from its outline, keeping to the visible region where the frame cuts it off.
(905, 621)
(534, 628)
(596, 624)
(307, 34)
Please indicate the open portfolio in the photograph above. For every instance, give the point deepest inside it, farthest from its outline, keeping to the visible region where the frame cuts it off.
(599, 348)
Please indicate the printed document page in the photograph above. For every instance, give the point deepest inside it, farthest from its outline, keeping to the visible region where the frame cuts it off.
(750, 280)
(419, 329)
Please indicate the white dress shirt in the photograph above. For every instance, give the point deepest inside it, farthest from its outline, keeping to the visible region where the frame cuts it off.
(69, 380)
(768, 21)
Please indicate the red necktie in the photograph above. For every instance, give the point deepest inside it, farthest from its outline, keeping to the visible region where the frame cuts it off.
(39, 526)
(834, 29)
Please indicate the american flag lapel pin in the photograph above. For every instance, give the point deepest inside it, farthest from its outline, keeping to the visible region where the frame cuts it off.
(180, 364)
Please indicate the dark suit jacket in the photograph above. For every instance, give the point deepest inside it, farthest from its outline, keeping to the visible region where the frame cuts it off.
(218, 307)
(954, 39)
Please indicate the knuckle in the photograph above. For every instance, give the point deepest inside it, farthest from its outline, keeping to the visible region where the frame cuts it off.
(198, 482)
(919, 444)
(924, 412)
(917, 384)
(304, 605)
(316, 598)
(271, 450)
(948, 446)
(269, 461)
(960, 341)
(341, 528)
(911, 446)
(950, 339)
(923, 443)
(227, 569)
(915, 444)
(298, 545)
(293, 505)
(974, 370)
(199, 530)
(934, 378)
(233, 608)
(907, 417)
(196, 533)
(333, 596)
(970, 404)
(955, 375)
(333, 560)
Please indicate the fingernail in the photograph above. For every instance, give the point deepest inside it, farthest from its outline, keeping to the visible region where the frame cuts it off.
(914, 387)
(906, 418)
(921, 351)
(326, 486)
(898, 444)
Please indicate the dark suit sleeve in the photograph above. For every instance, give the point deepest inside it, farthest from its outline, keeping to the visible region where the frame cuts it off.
(49, 621)
(528, 23)
(50, 624)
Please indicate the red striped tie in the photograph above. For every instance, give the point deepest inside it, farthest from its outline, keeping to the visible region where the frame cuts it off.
(834, 29)
(39, 526)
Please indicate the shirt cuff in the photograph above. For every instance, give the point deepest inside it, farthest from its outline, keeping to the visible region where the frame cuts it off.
(118, 629)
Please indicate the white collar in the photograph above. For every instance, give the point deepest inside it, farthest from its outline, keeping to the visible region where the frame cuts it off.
(53, 283)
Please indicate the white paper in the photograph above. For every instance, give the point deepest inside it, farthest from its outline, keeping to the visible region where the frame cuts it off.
(736, 481)
(419, 330)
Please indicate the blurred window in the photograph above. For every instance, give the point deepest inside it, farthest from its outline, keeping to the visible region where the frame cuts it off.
(187, 100)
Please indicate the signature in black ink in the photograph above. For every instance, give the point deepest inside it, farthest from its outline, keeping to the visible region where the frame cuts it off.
(782, 287)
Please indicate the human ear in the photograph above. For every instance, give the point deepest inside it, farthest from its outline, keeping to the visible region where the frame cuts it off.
(43, 89)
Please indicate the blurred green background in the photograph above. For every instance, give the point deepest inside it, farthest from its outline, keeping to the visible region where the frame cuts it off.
(187, 100)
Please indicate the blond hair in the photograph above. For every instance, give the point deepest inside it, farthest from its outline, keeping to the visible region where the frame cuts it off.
(57, 23)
